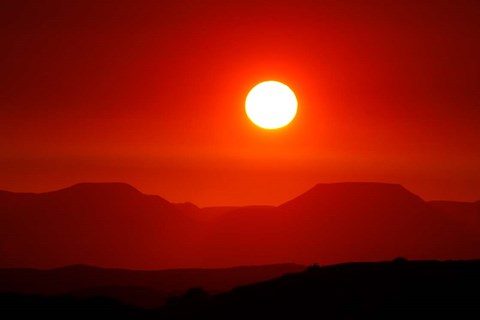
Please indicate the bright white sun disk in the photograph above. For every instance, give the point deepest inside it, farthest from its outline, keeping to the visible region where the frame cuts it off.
(271, 105)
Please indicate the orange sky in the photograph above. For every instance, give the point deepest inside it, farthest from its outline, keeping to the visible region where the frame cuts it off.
(152, 93)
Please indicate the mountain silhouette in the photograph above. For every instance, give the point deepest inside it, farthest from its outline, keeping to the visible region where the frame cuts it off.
(362, 193)
(104, 224)
(375, 219)
(341, 222)
(400, 289)
(387, 290)
(115, 225)
(146, 289)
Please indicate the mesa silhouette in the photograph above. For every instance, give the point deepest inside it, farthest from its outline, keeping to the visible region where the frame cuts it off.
(115, 225)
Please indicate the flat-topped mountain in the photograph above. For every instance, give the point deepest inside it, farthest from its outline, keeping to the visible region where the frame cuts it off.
(115, 225)
(355, 193)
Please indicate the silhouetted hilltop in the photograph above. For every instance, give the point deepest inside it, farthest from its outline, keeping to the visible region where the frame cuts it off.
(400, 290)
(355, 220)
(102, 188)
(342, 222)
(90, 223)
(85, 190)
(115, 225)
(355, 193)
(134, 287)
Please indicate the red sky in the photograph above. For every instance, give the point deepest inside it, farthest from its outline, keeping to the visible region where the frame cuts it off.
(152, 93)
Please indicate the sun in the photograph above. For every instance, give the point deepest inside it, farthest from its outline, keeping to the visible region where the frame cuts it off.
(271, 105)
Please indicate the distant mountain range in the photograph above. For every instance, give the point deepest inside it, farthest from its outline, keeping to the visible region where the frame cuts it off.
(115, 225)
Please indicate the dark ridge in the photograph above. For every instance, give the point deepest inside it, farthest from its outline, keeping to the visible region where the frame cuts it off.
(105, 191)
(76, 267)
(362, 191)
(144, 288)
(87, 267)
(399, 289)
(102, 188)
(113, 224)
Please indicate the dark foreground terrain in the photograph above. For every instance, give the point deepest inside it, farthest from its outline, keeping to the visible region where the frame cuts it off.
(385, 290)
(139, 288)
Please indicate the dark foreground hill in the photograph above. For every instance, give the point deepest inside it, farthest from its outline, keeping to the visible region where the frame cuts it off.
(398, 289)
(146, 289)
(386, 290)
